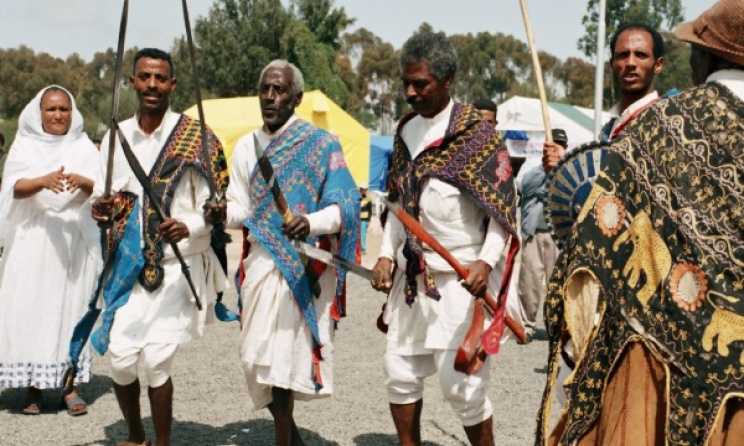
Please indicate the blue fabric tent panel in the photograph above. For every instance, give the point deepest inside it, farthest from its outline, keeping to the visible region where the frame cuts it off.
(380, 153)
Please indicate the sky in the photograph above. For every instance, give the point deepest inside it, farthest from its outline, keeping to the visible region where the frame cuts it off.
(61, 28)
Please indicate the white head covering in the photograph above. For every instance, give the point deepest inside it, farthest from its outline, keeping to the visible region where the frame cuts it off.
(35, 153)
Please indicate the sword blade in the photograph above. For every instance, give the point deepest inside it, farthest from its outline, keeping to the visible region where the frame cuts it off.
(267, 171)
(331, 259)
(214, 193)
(115, 101)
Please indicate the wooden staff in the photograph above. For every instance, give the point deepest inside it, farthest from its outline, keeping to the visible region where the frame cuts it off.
(538, 70)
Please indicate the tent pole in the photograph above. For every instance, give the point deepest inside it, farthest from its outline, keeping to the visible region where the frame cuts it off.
(599, 72)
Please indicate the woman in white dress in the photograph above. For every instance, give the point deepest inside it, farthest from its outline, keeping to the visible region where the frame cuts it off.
(49, 248)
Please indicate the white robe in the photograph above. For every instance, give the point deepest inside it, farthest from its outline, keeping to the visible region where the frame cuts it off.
(275, 341)
(51, 256)
(168, 314)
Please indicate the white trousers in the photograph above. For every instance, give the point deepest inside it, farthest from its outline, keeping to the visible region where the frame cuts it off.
(466, 394)
(157, 360)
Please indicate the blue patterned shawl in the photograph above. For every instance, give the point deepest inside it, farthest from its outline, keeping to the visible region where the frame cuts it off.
(311, 171)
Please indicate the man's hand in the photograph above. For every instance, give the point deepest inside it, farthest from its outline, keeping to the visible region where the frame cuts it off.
(552, 153)
(173, 231)
(102, 210)
(215, 213)
(477, 281)
(381, 279)
(298, 228)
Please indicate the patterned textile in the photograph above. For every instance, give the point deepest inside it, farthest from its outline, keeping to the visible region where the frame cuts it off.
(662, 234)
(123, 265)
(472, 157)
(311, 171)
(182, 150)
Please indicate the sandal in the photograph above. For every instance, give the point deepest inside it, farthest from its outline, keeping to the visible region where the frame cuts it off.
(70, 403)
(129, 443)
(33, 405)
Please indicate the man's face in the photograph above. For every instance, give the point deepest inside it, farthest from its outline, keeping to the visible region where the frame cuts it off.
(489, 116)
(633, 63)
(153, 83)
(277, 98)
(426, 95)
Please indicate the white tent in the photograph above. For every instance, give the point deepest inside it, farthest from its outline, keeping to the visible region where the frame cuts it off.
(521, 123)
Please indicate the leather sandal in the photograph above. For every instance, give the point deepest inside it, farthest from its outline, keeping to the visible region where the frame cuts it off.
(70, 403)
(33, 405)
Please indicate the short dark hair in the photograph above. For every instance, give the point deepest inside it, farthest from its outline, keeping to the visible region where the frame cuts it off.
(153, 53)
(2, 141)
(655, 36)
(433, 48)
(485, 104)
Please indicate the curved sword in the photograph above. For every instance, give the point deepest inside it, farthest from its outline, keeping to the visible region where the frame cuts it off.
(214, 193)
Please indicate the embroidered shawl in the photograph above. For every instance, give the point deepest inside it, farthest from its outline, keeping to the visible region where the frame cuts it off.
(311, 172)
(181, 150)
(472, 157)
(662, 234)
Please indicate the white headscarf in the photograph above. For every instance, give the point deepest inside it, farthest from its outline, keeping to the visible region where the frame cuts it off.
(35, 153)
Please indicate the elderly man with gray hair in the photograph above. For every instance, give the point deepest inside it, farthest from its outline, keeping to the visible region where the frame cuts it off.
(451, 170)
(289, 306)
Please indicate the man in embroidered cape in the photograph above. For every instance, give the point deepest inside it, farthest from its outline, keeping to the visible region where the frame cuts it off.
(637, 56)
(451, 171)
(286, 341)
(660, 242)
(155, 309)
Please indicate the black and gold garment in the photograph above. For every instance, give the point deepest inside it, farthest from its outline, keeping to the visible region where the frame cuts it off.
(472, 157)
(181, 151)
(662, 237)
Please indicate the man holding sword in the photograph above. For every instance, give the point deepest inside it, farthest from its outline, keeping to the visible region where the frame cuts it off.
(451, 171)
(289, 183)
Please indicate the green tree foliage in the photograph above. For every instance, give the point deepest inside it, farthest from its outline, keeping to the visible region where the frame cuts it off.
(369, 68)
(662, 15)
(237, 39)
(356, 69)
(658, 14)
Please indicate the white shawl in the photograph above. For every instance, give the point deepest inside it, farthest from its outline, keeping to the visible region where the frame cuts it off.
(35, 153)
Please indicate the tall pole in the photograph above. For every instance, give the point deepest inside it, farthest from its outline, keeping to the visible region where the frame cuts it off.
(537, 69)
(599, 72)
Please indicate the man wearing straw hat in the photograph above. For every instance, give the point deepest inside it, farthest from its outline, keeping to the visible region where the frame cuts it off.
(660, 238)
(429, 310)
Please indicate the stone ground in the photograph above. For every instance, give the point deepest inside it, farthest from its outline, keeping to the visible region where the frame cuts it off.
(211, 405)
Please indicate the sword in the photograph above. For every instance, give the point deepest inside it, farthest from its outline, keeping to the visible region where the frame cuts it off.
(104, 226)
(422, 234)
(115, 106)
(267, 172)
(214, 193)
(139, 172)
(331, 259)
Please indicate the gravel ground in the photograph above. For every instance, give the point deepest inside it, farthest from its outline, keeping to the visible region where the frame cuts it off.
(211, 405)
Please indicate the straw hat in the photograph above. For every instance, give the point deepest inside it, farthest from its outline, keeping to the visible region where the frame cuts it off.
(719, 30)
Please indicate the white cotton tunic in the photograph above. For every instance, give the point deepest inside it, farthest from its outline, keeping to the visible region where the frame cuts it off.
(275, 341)
(168, 314)
(50, 256)
(457, 222)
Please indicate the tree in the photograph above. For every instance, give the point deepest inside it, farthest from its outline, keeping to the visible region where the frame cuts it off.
(369, 68)
(576, 77)
(654, 13)
(237, 39)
